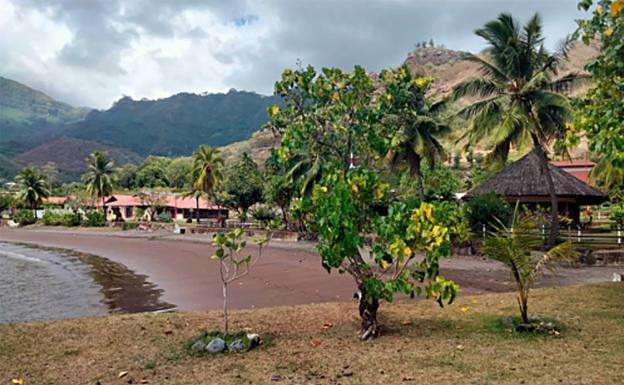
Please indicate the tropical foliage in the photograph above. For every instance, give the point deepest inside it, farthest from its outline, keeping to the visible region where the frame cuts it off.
(518, 245)
(520, 100)
(601, 111)
(99, 179)
(32, 188)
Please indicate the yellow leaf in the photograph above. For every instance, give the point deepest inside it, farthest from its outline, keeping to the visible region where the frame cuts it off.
(122, 374)
(335, 96)
(274, 110)
(427, 211)
(379, 193)
(384, 264)
(474, 301)
(609, 32)
(420, 82)
(464, 309)
(407, 251)
(17, 381)
(355, 188)
(599, 11)
(460, 348)
(324, 189)
(616, 7)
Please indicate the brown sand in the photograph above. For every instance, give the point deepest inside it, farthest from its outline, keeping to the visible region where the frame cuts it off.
(287, 274)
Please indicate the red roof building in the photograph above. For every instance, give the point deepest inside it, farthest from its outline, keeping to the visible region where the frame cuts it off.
(579, 168)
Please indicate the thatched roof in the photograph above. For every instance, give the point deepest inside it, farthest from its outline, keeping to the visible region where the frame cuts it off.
(525, 178)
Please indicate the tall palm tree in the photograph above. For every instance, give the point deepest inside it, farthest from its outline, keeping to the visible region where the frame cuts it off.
(416, 127)
(207, 166)
(520, 98)
(99, 178)
(33, 188)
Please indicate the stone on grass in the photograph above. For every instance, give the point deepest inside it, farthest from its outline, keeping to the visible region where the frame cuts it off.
(237, 346)
(198, 346)
(525, 328)
(254, 340)
(217, 345)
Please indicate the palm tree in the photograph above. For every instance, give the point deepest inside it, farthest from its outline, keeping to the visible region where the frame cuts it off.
(99, 178)
(416, 126)
(33, 188)
(207, 165)
(520, 99)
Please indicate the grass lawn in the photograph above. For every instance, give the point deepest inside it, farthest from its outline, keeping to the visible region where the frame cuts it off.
(421, 344)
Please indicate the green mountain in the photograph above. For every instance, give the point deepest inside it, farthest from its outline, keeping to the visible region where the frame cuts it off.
(176, 125)
(26, 113)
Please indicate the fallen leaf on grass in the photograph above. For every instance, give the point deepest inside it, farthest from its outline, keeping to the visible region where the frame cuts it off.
(464, 309)
(460, 348)
(122, 374)
(327, 325)
(144, 381)
(408, 378)
(474, 302)
(315, 343)
(509, 330)
(17, 381)
(406, 323)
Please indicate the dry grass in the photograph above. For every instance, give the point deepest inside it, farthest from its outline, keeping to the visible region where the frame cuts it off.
(421, 344)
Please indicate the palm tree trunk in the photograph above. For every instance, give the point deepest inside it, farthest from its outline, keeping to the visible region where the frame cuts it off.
(419, 179)
(197, 206)
(35, 212)
(554, 201)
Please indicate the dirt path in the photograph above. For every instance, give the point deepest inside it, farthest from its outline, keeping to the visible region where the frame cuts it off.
(288, 274)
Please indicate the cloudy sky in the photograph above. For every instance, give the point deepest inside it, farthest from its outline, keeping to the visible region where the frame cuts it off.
(91, 52)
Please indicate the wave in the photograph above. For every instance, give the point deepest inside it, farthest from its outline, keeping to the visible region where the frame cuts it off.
(22, 257)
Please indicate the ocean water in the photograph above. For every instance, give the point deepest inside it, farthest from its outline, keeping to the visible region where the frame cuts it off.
(46, 284)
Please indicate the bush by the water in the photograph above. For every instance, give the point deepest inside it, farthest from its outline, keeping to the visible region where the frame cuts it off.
(488, 209)
(95, 219)
(24, 217)
(70, 219)
(50, 218)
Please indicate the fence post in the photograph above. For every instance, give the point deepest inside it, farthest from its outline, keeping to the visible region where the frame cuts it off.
(543, 232)
(578, 234)
(569, 233)
(619, 237)
(484, 231)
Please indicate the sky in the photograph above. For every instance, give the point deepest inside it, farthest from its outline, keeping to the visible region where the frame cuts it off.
(92, 52)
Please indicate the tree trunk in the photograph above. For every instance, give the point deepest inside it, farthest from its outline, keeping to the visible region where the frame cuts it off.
(368, 314)
(419, 179)
(523, 299)
(554, 201)
(197, 206)
(225, 310)
(104, 207)
(35, 212)
(285, 217)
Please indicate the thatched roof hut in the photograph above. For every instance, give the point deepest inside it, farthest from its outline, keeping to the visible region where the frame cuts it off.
(523, 181)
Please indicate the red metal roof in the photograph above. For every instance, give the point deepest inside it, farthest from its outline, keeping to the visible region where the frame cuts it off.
(55, 200)
(172, 201)
(573, 163)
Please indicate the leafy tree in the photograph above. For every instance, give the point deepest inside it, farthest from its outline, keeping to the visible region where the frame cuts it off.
(179, 171)
(520, 99)
(518, 246)
(279, 188)
(153, 202)
(243, 183)
(412, 122)
(32, 188)
(601, 111)
(152, 172)
(441, 184)
(99, 178)
(6, 201)
(126, 176)
(332, 116)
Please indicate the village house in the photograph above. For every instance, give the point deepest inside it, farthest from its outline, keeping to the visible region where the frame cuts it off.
(121, 207)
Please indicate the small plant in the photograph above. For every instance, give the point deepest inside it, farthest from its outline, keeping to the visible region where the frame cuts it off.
(129, 226)
(70, 219)
(487, 209)
(233, 264)
(617, 216)
(264, 215)
(95, 219)
(24, 217)
(50, 219)
(519, 247)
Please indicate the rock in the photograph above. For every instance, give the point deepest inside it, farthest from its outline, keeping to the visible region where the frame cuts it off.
(254, 340)
(508, 321)
(549, 326)
(198, 346)
(217, 345)
(535, 318)
(237, 346)
(524, 328)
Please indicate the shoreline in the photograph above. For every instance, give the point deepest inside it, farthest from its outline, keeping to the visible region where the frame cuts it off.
(289, 273)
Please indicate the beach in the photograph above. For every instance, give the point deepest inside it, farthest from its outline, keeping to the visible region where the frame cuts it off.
(289, 273)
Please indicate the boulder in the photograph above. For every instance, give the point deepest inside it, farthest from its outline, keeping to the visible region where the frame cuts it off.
(198, 346)
(237, 346)
(217, 345)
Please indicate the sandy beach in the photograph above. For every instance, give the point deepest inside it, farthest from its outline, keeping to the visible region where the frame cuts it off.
(289, 273)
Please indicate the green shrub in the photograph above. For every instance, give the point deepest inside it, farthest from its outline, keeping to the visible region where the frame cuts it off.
(95, 219)
(263, 214)
(70, 219)
(51, 219)
(163, 217)
(24, 217)
(129, 226)
(617, 216)
(487, 209)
